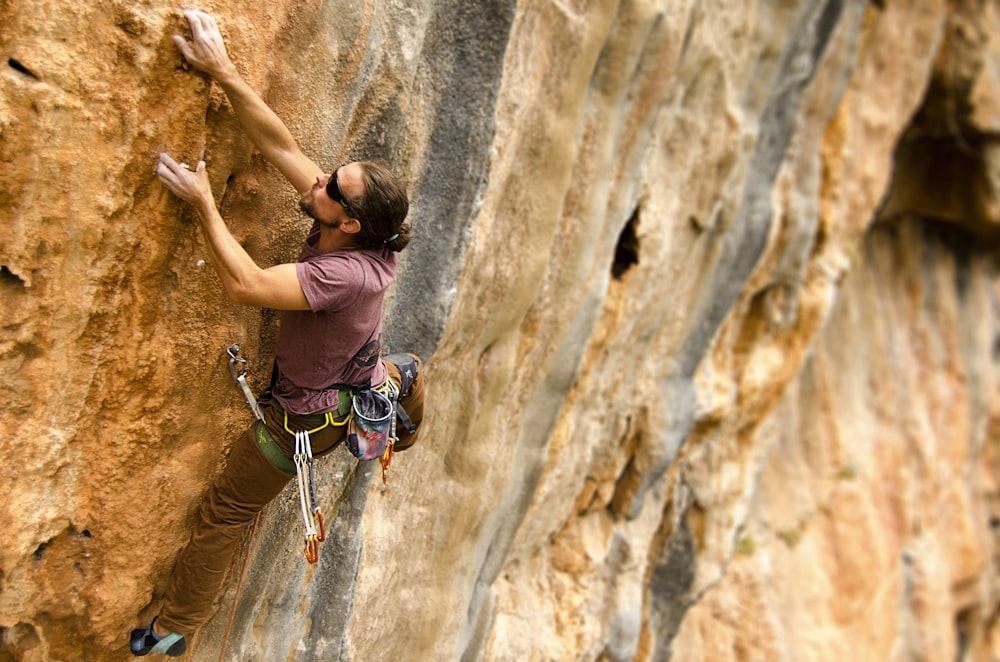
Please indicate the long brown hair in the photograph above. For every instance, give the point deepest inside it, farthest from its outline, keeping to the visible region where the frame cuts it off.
(382, 209)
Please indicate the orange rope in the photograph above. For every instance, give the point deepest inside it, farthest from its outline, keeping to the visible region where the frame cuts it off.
(239, 587)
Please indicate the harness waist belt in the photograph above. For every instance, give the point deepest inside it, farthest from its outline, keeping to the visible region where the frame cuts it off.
(342, 410)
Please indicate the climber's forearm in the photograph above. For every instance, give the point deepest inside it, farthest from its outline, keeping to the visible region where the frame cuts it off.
(207, 52)
(244, 281)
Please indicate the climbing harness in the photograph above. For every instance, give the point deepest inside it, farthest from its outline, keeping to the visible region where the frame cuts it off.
(312, 515)
(329, 419)
(241, 378)
(370, 416)
(371, 433)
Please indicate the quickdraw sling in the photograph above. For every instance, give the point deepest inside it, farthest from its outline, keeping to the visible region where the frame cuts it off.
(370, 418)
(312, 516)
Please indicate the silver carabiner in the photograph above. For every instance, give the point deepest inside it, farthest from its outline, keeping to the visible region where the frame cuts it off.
(241, 379)
(234, 358)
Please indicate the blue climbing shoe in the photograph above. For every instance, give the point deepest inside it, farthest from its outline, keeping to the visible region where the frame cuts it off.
(144, 642)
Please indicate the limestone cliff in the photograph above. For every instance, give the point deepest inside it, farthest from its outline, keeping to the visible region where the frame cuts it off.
(708, 293)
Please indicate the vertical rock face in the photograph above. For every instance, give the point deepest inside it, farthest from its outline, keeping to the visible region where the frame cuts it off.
(870, 520)
(707, 291)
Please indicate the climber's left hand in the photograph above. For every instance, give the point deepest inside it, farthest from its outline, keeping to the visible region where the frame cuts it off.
(207, 49)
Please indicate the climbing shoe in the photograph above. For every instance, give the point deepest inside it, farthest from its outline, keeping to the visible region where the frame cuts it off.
(144, 642)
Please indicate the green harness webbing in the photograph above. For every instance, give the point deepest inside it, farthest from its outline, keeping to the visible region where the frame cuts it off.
(271, 451)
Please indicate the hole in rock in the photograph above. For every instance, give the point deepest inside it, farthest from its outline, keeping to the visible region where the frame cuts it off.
(17, 640)
(224, 200)
(17, 66)
(8, 277)
(627, 249)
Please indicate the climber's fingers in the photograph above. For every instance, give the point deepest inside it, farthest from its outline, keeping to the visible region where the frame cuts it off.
(187, 184)
(203, 26)
(207, 49)
(183, 46)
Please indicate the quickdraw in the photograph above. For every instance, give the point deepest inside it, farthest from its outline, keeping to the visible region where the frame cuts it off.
(312, 515)
(386, 458)
(241, 378)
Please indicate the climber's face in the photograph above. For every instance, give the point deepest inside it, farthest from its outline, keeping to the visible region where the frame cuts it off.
(328, 201)
(334, 190)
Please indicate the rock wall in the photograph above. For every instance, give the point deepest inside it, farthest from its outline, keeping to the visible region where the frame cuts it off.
(707, 290)
(867, 534)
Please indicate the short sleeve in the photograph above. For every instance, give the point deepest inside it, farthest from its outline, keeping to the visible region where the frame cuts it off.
(329, 282)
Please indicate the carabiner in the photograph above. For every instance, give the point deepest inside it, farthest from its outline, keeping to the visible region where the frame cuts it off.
(312, 549)
(322, 530)
(234, 358)
(386, 459)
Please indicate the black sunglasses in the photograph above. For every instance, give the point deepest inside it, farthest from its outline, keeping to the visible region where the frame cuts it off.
(333, 190)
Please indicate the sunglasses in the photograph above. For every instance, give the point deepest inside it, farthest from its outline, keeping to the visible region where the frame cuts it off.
(334, 191)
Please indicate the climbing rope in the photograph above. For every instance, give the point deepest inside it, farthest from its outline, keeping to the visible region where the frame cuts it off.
(241, 380)
(239, 588)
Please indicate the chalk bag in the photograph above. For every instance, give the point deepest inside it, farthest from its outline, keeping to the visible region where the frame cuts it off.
(369, 430)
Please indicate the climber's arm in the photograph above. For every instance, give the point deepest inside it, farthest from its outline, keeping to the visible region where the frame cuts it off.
(245, 282)
(207, 53)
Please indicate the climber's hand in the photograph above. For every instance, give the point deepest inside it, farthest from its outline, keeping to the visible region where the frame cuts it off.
(207, 50)
(192, 186)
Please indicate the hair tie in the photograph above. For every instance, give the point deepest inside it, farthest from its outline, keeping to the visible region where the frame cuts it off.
(392, 238)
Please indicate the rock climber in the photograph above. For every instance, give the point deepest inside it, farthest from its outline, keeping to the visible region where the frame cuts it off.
(329, 330)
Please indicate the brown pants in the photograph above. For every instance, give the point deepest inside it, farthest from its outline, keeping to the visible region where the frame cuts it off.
(248, 483)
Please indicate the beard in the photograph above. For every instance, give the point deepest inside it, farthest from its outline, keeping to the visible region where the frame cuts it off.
(308, 205)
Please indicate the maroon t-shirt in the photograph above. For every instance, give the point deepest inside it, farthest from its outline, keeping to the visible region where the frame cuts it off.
(339, 340)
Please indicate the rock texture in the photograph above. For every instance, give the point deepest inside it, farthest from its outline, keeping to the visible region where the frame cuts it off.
(708, 292)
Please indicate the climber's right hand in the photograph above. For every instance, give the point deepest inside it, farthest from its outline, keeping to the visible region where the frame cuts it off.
(207, 50)
(191, 186)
